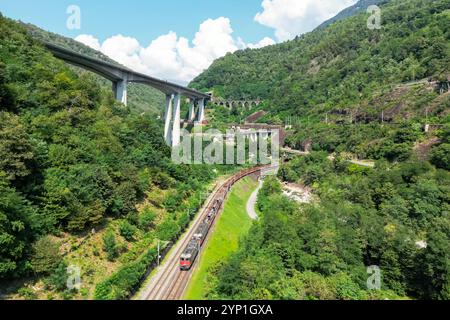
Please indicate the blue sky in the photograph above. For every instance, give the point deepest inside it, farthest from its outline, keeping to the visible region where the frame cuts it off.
(176, 39)
(142, 19)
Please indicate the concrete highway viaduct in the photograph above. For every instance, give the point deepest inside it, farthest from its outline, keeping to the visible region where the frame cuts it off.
(120, 76)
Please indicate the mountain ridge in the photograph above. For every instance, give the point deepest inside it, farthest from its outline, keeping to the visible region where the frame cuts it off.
(358, 7)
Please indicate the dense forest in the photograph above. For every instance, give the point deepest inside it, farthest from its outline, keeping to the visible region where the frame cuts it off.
(349, 93)
(74, 160)
(391, 216)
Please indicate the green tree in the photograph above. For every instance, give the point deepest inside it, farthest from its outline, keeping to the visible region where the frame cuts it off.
(434, 264)
(15, 147)
(57, 279)
(7, 99)
(440, 156)
(110, 245)
(16, 229)
(46, 256)
(127, 230)
(167, 230)
(147, 218)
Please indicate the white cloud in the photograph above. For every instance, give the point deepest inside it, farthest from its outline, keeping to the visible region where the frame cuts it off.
(263, 43)
(171, 57)
(290, 18)
(125, 50)
(89, 40)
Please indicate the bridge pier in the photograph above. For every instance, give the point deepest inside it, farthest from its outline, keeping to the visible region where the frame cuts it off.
(176, 125)
(191, 110)
(172, 117)
(253, 147)
(201, 110)
(120, 90)
(168, 119)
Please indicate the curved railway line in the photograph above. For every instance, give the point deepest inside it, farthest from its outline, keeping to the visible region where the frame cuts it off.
(170, 282)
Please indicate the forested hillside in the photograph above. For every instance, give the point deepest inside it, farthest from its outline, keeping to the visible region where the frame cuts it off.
(141, 98)
(349, 93)
(345, 68)
(393, 216)
(83, 180)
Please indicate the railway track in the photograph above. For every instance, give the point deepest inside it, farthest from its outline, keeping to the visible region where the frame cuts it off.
(169, 282)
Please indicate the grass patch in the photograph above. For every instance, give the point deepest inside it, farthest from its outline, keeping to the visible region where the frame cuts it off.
(233, 223)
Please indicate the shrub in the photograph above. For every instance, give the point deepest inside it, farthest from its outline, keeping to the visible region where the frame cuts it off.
(121, 284)
(147, 218)
(127, 230)
(27, 293)
(167, 230)
(173, 201)
(316, 287)
(357, 169)
(110, 245)
(124, 199)
(346, 288)
(58, 278)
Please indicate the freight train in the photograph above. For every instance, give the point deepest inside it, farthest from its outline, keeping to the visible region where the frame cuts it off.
(192, 250)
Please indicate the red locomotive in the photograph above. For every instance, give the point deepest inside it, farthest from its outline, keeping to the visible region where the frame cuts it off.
(192, 250)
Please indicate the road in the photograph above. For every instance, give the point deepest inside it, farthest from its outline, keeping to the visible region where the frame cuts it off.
(169, 283)
(251, 203)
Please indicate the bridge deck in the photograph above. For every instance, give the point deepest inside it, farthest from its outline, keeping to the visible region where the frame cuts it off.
(116, 72)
